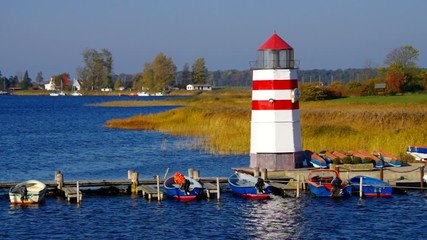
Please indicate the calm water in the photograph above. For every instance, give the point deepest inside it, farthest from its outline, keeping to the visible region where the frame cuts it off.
(40, 135)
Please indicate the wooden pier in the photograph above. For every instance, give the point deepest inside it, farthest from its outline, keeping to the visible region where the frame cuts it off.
(285, 183)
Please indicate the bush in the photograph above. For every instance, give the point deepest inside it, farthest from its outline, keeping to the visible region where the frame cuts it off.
(357, 160)
(347, 160)
(336, 161)
(406, 158)
(368, 160)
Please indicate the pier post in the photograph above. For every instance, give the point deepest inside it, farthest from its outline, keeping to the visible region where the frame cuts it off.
(59, 178)
(190, 172)
(130, 174)
(382, 173)
(218, 194)
(78, 192)
(298, 185)
(158, 188)
(422, 177)
(360, 188)
(256, 171)
(264, 173)
(196, 175)
(134, 179)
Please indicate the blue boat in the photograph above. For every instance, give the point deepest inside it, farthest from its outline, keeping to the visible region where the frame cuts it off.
(248, 186)
(371, 187)
(185, 190)
(327, 183)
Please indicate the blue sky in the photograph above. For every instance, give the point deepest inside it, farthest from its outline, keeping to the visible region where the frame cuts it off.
(50, 35)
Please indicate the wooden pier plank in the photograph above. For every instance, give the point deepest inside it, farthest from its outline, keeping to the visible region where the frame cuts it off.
(71, 192)
(150, 192)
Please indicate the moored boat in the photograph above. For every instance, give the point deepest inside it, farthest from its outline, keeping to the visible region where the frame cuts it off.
(28, 192)
(182, 188)
(327, 183)
(418, 152)
(371, 187)
(248, 186)
(387, 157)
(316, 160)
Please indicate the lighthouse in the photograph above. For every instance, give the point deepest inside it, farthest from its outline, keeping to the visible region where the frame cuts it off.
(275, 117)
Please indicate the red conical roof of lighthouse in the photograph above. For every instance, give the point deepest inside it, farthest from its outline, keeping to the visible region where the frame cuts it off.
(275, 43)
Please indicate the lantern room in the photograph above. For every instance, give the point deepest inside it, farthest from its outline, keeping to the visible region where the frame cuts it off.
(275, 53)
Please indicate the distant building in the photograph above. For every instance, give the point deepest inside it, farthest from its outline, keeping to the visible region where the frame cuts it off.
(50, 86)
(77, 85)
(199, 87)
(380, 88)
(106, 89)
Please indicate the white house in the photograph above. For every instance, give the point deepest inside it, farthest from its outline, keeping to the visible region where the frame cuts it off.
(76, 85)
(50, 86)
(199, 87)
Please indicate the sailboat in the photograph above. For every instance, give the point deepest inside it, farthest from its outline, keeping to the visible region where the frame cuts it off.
(4, 92)
(75, 91)
(55, 93)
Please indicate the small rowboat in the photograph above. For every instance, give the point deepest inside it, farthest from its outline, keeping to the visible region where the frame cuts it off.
(327, 183)
(28, 192)
(247, 186)
(371, 187)
(182, 188)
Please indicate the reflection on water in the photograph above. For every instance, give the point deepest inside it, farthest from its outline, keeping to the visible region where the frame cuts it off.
(274, 218)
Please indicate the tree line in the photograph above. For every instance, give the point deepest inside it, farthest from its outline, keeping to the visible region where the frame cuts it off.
(401, 74)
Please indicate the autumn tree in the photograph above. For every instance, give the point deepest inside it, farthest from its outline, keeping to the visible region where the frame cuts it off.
(402, 73)
(62, 80)
(200, 71)
(157, 76)
(164, 72)
(394, 80)
(97, 71)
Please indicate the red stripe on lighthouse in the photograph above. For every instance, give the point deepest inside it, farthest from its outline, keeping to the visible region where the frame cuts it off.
(274, 84)
(274, 105)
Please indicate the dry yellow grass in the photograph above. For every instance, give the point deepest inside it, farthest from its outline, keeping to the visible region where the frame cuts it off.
(222, 121)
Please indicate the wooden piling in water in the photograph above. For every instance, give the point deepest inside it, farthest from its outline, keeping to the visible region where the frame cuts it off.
(196, 175)
(135, 182)
(264, 174)
(59, 178)
(256, 171)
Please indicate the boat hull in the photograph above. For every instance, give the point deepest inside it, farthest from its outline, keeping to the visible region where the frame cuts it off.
(327, 183)
(244, 185)
(325, 191)
(371, 187)
(174, 190)
(28, 192)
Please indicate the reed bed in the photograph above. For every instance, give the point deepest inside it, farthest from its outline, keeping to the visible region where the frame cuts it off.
(220, 122)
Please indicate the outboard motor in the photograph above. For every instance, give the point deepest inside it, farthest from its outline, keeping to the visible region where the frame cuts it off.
(186, 186)
(259, 185)
(336, 187)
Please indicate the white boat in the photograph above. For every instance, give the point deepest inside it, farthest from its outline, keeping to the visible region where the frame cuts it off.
(75, 93)
(143, 94)
(28, 192)
(56, 93)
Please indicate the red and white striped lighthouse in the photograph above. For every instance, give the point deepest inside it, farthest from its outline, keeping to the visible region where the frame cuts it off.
(275, 125)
